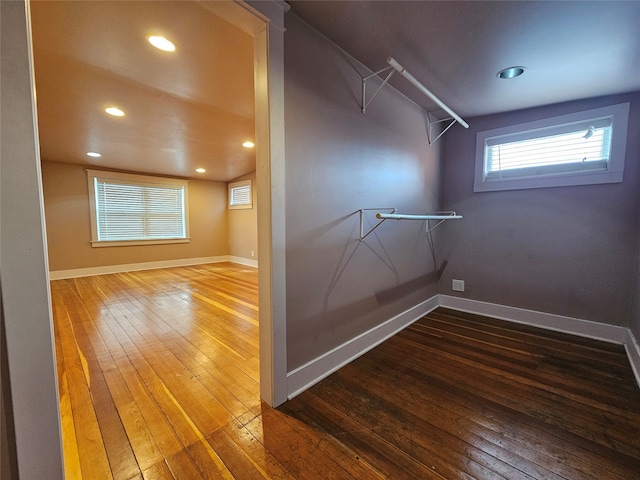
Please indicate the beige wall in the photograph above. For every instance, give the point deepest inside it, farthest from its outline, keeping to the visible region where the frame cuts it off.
(69, 230)
(243, 226)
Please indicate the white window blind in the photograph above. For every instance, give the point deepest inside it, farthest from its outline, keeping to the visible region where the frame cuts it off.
(585, 146)
(240, 195)
(581, 148)
(130, 208)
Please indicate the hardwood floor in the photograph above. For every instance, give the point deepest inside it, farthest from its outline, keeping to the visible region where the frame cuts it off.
(158, 375)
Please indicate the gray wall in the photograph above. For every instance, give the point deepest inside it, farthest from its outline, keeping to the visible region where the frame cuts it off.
(24, 292)
(635, 318)
(339, 161)
(565, 250)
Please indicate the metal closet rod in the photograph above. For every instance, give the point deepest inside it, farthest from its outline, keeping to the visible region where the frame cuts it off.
(403, 71)
(392, 215)
(404, 216)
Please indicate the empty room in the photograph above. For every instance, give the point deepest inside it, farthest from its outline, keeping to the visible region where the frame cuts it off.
(424, 264)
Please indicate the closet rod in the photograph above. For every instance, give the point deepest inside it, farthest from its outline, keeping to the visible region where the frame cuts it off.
(403, 71)
(402, 216)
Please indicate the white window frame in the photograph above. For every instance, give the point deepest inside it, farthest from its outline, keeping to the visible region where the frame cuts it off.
(550, 176)
(242, 184)
(134, 179)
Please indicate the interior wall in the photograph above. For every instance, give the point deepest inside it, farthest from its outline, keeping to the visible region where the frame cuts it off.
(8, 460)
(243, 226)
(566, 250)
(66, 200)
(339, 161)
(635, 317)
(24, 286)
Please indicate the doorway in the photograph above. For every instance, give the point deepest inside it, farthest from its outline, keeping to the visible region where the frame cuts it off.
(33, 423)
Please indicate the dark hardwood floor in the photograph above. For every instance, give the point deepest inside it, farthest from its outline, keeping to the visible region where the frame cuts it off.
(158, 376)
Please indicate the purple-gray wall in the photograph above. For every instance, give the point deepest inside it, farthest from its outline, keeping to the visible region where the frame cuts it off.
(567, 250)
(635, 318)
(338, 161)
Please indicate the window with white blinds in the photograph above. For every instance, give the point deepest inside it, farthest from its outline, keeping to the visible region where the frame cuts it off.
(575, 149)
(240, 195)
(133, 209)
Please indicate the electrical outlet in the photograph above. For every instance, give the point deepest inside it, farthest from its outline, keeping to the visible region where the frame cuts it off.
(457, 285)
(252, 253)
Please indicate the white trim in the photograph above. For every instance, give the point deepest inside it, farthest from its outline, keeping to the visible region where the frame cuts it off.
(232, 187)
(270, 186)
(573, 326)
(312, 372)
(558, 323)
(247, 262)
(130, 243)
(134, 267)
(93, 176)
(633, 353)
(619, 115)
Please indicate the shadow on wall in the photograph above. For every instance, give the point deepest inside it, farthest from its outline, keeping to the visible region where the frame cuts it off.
(390, 295)
(355, 318)
(400, 291)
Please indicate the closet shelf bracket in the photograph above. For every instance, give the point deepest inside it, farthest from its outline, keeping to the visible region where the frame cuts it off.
(392, 215)
(362, 210)
(396, 67)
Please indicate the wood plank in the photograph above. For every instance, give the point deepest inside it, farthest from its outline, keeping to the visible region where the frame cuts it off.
(158, 379)
(94, 462)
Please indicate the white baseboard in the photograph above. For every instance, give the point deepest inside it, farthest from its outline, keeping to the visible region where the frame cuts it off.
(633, 352)
(249, 262)
(309, 374)
(133, 267)
(321, 367)
(558, 323)
(574, 326)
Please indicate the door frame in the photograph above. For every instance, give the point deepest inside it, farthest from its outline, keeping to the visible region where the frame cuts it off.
(264, 20)
(24, 273)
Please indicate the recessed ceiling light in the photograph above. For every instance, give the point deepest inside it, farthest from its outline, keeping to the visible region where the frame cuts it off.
(511, 72)
(93, 154)
(200, 170)
(115, 111)
(248, 144)
(161, 43)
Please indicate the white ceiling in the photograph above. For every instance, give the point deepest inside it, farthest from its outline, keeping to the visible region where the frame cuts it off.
(194, 108)
(572, 50)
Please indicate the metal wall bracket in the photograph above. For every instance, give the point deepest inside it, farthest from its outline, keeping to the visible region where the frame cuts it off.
(442, 216)
(362, 210)
(396, 67)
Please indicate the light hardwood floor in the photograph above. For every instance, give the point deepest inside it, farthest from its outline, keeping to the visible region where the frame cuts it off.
(158, 378)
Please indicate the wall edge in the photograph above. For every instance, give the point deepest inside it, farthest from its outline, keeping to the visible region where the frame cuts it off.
(307, 375)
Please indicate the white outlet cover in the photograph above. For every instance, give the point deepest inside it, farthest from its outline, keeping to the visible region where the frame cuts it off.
(457, 285)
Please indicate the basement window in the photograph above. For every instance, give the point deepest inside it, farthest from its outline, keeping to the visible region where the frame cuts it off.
(576, 149)
(128, 209)
(240, 195)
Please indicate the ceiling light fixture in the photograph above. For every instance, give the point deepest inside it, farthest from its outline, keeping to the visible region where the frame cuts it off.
(161, 43)
(115, 111)
(93, 154)
(200, 170)
(248, 144)
(511, 72)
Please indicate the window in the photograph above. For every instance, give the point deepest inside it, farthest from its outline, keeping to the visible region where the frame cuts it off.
(129, 209)
(577, 149)
(240, 195)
